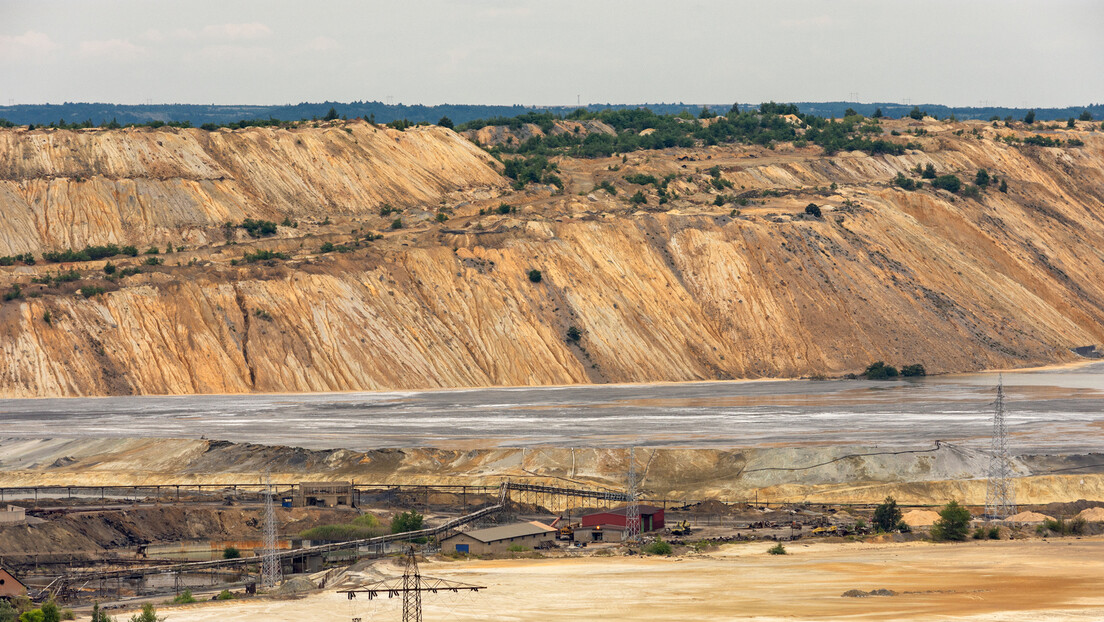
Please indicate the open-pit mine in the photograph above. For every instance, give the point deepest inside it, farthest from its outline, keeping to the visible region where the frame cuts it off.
(270, 367)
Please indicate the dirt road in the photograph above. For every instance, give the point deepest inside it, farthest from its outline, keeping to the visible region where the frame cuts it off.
(1036, 580)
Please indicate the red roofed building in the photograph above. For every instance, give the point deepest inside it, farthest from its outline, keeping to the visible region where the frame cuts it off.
(610, 526)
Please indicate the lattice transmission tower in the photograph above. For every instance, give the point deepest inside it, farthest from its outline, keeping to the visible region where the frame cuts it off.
(410, 586)
(632, 510)
(270, 563)
(1000, 494)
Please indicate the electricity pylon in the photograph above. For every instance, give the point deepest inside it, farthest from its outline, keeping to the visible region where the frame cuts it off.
(632, 510)
(1000, 494)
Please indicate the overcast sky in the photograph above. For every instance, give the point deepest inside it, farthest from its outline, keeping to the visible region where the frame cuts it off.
(1009, 52)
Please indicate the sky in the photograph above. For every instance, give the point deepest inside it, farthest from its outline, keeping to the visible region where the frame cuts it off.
(1045, 53)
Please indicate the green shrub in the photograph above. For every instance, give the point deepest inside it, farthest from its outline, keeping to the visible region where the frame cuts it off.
(505, 208)
(953, 523)
(407, 521)
(905, 182)
(153, 261)
(535, 276)
(638, 198)
(184, 598)
(980, 533)
(813, 210)
(950, 183)
(397, 223)
(994, 533)
(971, 191)
(149, 614)
(777, 549)
(574, 334)
(517, 548)
(916, 369)
(258, 228)
(91, 290)
(263, 255)
(441, 217)
(608, 187)
(15, 293)
(225, 595)
(327, 247)
(928, 172)
(231, 552)
(659, 547)
(878, 370)
(981, 179)
(640, 179)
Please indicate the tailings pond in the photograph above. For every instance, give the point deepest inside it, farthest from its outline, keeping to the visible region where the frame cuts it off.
(1048, 410)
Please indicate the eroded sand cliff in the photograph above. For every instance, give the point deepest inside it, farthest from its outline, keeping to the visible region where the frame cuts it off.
(683, 291)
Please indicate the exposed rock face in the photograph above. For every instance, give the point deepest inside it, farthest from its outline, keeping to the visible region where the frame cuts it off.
(692, 292)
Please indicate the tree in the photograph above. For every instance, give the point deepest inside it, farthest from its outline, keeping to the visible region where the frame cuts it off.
(1070, 122)
(1003, 186)
(950, 183)
(887, 515)
(1085, 116)
(850, 112)
(407, 521)
(916, 369)
(878, 370)
(813, 210)
(535, 276)
(877, 113)
(1029, 118)
(929, 171)
(7, 612)
(706, 113)
(51, 612)
(982, 178)
(953, 523)
(638, 198)
(446, 122)
(231, 552)
(331, 115)
(916, 113)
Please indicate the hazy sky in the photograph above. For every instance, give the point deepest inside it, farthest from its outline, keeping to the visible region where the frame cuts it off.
(1007, 52)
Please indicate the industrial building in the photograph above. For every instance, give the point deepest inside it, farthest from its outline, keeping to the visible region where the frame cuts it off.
(10, 587)
(610, 525)
(499, 539)
(13, 515)
(324, 494)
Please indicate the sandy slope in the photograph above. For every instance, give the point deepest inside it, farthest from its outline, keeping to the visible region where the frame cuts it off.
(685, 291)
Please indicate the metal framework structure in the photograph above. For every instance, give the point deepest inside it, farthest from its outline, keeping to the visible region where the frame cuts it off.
(632, 510)
(270, 563)
(410, 586)
(1000, 494)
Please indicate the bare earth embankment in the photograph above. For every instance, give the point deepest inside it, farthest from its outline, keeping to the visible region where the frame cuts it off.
(684, 290)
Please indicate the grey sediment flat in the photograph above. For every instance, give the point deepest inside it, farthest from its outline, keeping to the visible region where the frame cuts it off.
(1049, 411)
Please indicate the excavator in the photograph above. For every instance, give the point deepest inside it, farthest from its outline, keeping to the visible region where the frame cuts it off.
(566, 531)
(681, 528)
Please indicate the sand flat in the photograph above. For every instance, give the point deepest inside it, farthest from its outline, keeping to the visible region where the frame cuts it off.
(1036, 580)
